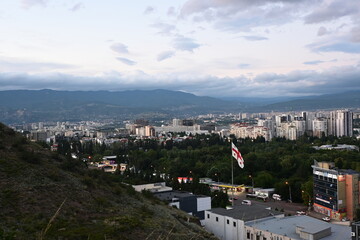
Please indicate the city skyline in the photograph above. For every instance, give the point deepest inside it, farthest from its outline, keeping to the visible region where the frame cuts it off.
(215, 48)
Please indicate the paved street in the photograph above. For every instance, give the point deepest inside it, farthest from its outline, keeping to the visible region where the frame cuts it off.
(288, 208)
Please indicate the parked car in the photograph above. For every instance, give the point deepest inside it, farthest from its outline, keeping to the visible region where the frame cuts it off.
(276, 197)
(300, 212)
(246, 202)
(326, 219)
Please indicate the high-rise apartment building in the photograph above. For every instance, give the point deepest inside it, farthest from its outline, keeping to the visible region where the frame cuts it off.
(340, 123)
(320, 126)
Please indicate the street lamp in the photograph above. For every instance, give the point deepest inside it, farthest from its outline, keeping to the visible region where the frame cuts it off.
(217, 177)
(252, 181)
(287, 183)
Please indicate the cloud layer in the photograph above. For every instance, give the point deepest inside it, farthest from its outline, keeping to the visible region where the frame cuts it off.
(296, 83)
(30, 3)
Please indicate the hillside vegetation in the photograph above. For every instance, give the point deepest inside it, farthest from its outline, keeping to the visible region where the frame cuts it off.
(46, 196)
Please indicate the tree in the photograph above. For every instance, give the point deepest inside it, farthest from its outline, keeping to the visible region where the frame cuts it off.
(219, 199)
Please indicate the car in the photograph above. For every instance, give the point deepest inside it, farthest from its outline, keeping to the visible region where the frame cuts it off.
(300, 212)
(326, 219)
(276, 197)
(344, 219)
(246, 202)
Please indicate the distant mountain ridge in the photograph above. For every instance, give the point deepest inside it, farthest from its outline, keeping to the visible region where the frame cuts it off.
(349, 99)
(18, 106)
(45, 105)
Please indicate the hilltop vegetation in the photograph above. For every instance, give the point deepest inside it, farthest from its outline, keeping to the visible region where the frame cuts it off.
(44, 195)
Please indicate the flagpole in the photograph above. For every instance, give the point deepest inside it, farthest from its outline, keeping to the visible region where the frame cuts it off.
(232, 179)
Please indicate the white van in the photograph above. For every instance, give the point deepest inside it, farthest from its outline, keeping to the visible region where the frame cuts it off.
(246, 202)
(276, 197)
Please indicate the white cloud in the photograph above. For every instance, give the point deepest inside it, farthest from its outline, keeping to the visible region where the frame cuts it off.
(254, 38)
(126, 61)
(171, 11)
(149, 10)
(355, 34)
(30, 3)
(164, 28)
(20, 65)
(165, 55)
(77, 7)
(244, 65)
(333, 9)
(322, 31)
(119, 48)
(185, 44)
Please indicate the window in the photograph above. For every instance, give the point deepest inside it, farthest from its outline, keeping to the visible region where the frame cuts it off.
(248, 235)
(217, 219)
(234, 223)
(227, 221)
(208, 216)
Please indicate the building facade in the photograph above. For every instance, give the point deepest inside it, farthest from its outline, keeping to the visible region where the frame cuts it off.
(336, 191)
(340, 123)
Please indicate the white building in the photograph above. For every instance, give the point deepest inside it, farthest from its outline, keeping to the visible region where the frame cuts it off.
(320, 127)
(295, 227)
(229, 224)
(340, 123)
(245, 131)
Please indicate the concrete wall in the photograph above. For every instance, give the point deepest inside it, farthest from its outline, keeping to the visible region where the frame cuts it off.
(215, 224)
(226, 228)
(203, 203)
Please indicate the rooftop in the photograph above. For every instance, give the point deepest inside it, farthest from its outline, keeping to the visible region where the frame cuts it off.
(246, 212)
(168, 196)
(287, 227)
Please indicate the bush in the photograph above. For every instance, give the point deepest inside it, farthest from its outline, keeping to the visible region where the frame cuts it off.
(30, 157)
(146, 212)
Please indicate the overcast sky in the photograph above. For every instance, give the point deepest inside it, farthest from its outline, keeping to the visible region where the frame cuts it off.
(221, 48)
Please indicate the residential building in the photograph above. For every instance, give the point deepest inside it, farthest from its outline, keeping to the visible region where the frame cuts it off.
(246, 131)
(336, 191)
(320, 127)
(340, 123)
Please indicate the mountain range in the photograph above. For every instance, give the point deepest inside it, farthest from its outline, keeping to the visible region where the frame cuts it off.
(18, 106)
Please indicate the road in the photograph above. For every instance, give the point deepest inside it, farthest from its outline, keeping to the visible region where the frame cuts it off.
(288, 208)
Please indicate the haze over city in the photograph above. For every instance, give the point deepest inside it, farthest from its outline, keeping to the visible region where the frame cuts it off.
(216, 48)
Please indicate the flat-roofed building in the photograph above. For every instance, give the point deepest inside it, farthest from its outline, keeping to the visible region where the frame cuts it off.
(191, 203)
(295, 227)
(228, 224)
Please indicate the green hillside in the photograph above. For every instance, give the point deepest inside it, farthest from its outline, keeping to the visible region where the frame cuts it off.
(46, 196)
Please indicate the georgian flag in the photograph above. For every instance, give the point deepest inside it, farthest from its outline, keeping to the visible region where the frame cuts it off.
(237, 155)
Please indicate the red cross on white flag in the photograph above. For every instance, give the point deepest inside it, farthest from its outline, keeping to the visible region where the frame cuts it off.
(237, 155)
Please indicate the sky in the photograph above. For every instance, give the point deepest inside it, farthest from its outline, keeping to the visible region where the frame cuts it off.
(219, 48)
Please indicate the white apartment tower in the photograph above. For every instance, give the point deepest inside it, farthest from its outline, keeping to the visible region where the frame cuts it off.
(320, 126)
(340, 123)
